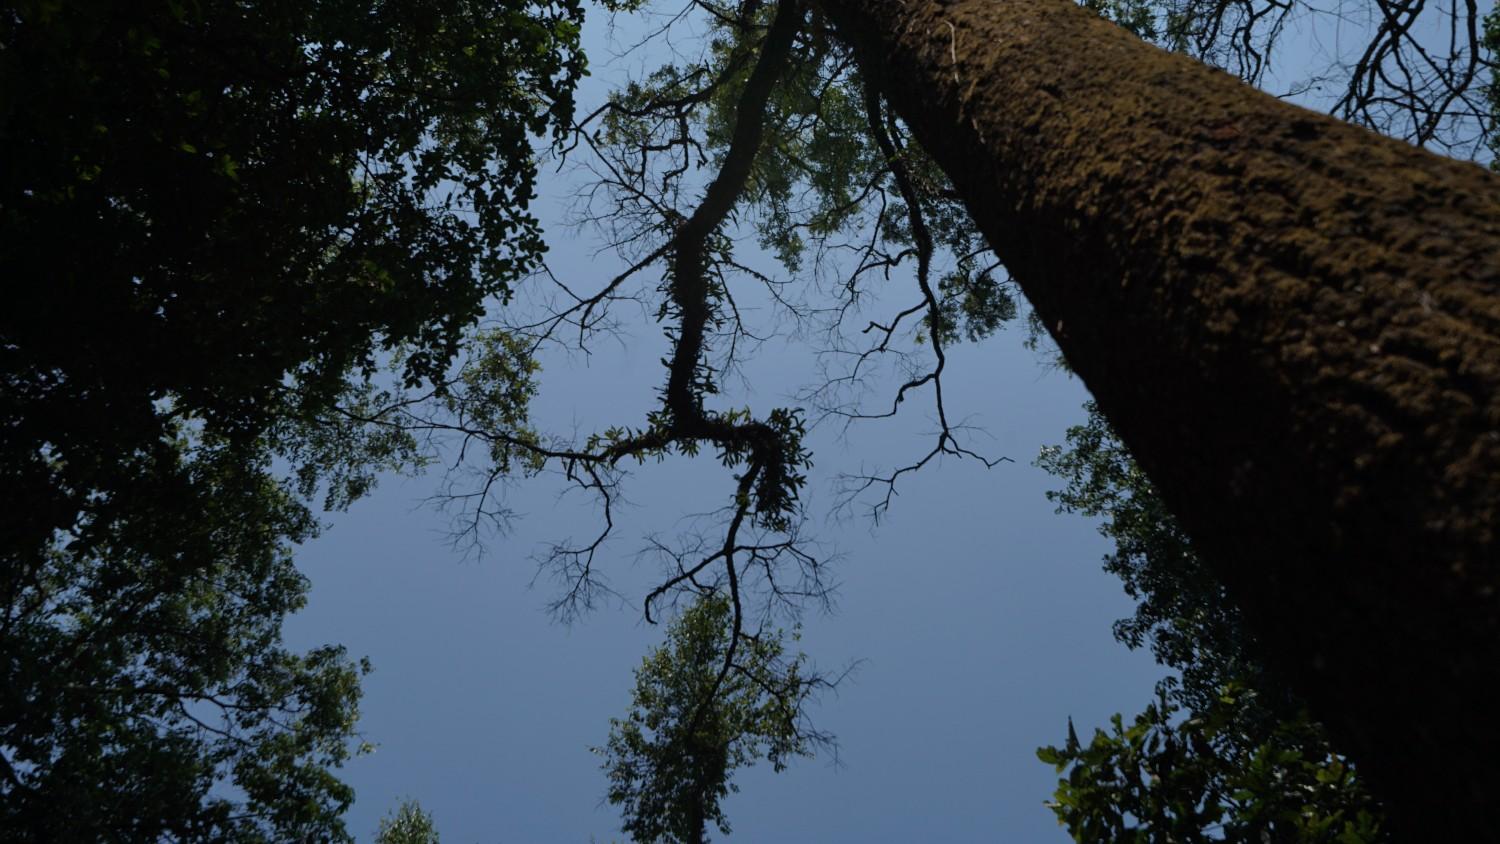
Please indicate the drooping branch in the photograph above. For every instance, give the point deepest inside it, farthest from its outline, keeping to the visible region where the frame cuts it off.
(882, 128)
(767, 452)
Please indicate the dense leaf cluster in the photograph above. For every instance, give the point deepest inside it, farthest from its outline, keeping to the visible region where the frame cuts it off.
(409, 824)
(206, 203)
(141, 675)
(1191, 779)
(705, 704)
(216, 219)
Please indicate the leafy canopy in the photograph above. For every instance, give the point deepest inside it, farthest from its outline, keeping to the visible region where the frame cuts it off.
(407, 825)
(1190, 779)
(216, 219)
(214, 211)
(703, 706)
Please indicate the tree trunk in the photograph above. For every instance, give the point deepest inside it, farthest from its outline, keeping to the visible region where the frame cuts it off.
(1292, 322)
(697, 824)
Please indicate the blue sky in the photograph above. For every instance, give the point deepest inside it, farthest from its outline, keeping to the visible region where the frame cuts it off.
(981, 620)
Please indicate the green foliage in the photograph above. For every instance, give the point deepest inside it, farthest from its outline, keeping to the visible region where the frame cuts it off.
(818, 173)
(206, 203)
(1244, 762)
(492, 393)
(973, 302)
(818, 160)
(216, 220)
(1166, 778)
(696, 718)
(408, 825)
(779, 485)
(821, 170)
(1139, 16)
(144, 670)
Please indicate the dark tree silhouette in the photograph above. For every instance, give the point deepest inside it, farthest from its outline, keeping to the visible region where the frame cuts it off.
(216, 218)
(706, 703)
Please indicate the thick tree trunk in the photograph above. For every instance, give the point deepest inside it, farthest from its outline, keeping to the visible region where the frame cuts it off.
(1294, 324)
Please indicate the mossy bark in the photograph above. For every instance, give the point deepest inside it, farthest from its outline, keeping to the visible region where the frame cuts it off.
(1293, 323)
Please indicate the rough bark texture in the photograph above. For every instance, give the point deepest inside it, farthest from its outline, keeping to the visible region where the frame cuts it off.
(1294, 324)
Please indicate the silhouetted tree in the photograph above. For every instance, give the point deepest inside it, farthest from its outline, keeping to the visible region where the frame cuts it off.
(407, 825)
(707, 702)
(216, 218)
